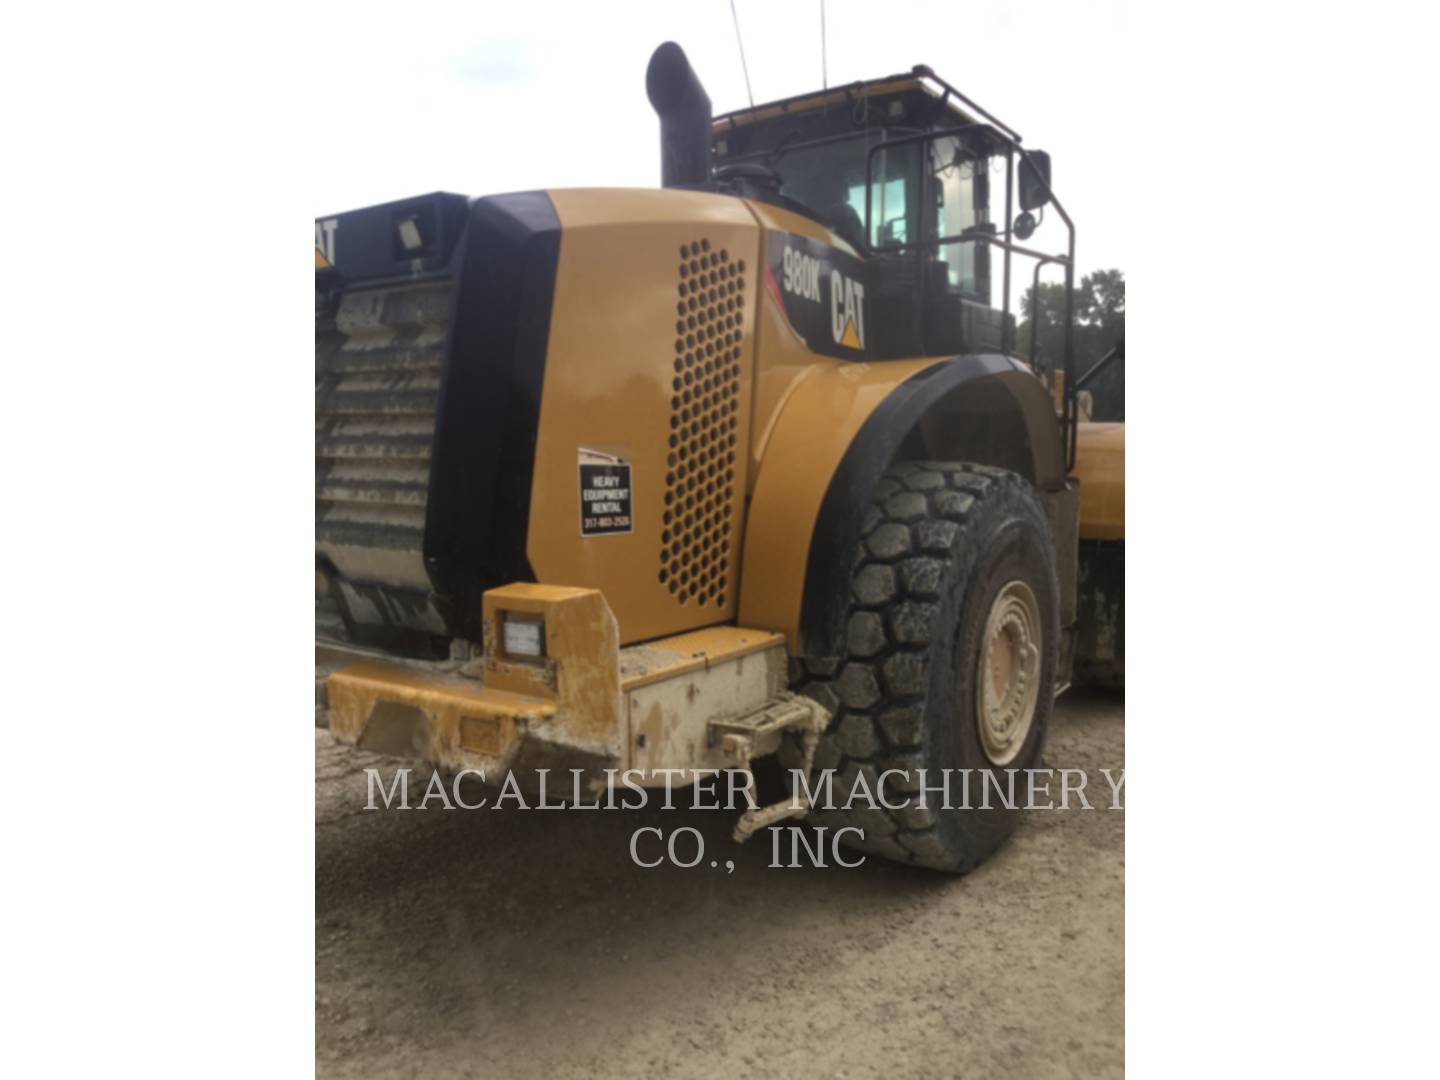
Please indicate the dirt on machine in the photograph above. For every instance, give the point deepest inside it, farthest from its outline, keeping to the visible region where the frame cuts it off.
(658, 482)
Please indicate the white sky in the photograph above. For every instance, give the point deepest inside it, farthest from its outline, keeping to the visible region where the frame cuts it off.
(481, 99)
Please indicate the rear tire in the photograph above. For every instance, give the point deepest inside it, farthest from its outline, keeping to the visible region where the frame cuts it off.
(955, 560)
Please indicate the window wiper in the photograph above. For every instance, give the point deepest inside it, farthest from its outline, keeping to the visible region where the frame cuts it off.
(783, 147)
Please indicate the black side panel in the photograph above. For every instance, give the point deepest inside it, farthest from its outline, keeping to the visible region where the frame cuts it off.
(365, 245)
(483, 458)
(837, 530)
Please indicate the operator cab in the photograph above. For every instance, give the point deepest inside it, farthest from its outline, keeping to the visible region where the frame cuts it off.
(926, 156)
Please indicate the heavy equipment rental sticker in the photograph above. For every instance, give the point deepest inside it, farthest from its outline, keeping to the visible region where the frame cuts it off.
(605, 498)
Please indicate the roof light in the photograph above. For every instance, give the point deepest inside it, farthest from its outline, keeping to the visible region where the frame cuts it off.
(410, 238)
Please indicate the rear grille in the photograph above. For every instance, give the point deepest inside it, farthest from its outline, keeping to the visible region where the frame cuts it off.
(699, 524)
(377, 381)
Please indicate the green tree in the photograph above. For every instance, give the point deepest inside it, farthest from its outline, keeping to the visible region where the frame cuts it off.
(1099, 325)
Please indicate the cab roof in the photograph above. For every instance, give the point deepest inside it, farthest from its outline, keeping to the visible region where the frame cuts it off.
(919, 79)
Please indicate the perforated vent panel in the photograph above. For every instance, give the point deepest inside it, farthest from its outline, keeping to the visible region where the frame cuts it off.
(699, 520)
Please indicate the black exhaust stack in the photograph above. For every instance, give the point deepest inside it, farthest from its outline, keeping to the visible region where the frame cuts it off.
(684, 110)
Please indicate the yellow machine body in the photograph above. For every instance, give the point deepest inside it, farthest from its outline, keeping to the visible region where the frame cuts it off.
(616, 385)
(1100, 468)
(666, 351)
(733, 427)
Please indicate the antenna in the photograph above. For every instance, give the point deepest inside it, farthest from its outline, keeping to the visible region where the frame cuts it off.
(736, 20)
(824, 74)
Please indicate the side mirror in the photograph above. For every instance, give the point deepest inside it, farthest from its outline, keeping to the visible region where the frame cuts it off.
(1034, 180)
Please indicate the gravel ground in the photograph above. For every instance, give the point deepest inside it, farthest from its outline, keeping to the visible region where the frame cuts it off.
(485, 943)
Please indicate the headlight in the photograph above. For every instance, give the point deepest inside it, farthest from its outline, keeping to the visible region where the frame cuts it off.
(524, 637)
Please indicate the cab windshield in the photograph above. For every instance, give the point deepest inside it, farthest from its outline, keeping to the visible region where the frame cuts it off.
(829, 179)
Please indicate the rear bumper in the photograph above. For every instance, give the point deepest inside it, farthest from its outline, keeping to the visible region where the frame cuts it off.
(586, 705)
(433, 715)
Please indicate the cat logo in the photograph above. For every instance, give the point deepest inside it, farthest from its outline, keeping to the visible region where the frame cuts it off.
(325, 243)
(821, 291)
(847, 311)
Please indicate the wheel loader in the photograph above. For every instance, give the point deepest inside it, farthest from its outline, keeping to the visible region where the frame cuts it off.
(744, 468)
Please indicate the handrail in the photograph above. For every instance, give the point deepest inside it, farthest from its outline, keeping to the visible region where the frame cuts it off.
(1117, 352)
(925, 71)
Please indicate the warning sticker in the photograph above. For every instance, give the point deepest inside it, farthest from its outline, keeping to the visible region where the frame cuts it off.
(605, 497)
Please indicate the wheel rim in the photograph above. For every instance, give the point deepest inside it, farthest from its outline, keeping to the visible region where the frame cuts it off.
(1008, 682)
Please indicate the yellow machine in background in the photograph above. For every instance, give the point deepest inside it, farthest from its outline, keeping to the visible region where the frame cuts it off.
(1100, 628)
(641, 481)
(1100, 468)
